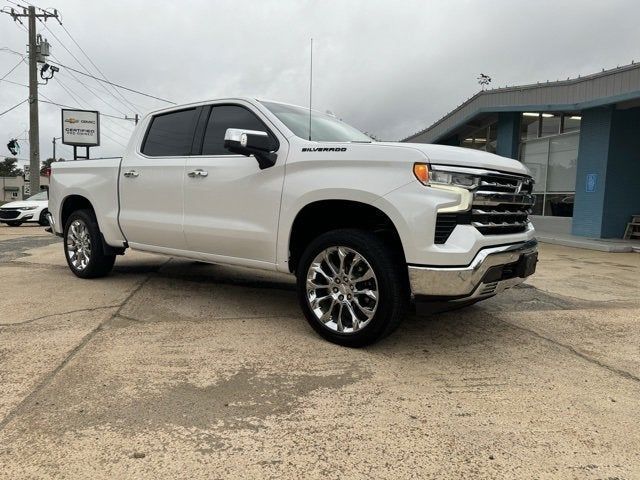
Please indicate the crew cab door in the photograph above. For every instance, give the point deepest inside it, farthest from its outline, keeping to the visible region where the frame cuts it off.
(151, 181)
(231, 206)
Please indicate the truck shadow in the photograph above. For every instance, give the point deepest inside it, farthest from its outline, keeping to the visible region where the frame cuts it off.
(182, 290)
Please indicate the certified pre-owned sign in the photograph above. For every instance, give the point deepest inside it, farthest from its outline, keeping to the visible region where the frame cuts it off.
(81, 127)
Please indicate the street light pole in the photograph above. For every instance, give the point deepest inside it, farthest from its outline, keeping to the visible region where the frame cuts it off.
(54, 147)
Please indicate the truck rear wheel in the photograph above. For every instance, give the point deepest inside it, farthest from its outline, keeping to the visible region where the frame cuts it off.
(83, 246)
(352, 287)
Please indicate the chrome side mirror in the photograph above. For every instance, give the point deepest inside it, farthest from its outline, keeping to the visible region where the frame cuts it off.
(251, 142)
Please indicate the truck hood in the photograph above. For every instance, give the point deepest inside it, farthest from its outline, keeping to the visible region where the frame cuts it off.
(464, 157)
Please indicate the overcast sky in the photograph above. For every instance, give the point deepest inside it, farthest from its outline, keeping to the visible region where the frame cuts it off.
(387, 67)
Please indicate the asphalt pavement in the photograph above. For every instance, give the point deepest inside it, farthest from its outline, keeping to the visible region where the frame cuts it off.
(175, 369)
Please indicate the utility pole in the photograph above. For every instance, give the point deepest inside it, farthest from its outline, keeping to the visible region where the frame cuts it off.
(37, 52)
(34, 124)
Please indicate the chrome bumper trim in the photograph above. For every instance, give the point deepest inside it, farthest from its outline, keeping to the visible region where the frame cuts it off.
(467, 281)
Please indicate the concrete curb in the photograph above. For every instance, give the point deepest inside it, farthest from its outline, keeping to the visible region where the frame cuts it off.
(588, 244)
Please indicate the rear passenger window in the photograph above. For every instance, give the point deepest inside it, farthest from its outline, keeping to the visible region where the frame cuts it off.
(229, 116)
(170, 134)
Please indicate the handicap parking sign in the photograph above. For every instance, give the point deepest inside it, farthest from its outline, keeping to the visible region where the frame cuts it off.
(592, 181)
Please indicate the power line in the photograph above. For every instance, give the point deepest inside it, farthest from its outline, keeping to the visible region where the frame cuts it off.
(110, 138)
(8, 50)
(78, 108)
(131, 104)
(81, 100)
(15, 106)
(94, 65)
(115, 84)
(59, 104)
(21, 6)
(14, 83)
(10, 71)
(88, 74)
(72, 75)
(78, 61)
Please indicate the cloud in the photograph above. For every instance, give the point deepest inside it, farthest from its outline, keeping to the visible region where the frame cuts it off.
(389, 68)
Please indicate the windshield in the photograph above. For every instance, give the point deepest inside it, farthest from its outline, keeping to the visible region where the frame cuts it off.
(39, 196)
(324, 128)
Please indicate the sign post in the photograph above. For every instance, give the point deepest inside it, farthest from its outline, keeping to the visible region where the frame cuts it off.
(80, 128)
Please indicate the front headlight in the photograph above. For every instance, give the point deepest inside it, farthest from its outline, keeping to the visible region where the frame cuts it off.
(27, 208)
(428, 176)
(456, 179)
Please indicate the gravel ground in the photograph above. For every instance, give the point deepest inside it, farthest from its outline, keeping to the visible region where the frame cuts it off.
(174, 369)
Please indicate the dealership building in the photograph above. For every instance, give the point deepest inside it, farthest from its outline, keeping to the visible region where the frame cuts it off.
(579, 137)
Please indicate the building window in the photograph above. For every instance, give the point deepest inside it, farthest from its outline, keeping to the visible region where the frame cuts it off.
(485, 138)
(571, 122)
(550, 124)
(553, 164)
(530, 126)
(538, 125)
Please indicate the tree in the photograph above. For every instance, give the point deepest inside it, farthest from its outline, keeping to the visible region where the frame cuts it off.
(9, 167)
(46, 165)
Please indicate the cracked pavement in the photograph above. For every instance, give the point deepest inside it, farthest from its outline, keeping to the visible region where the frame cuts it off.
(175, 369)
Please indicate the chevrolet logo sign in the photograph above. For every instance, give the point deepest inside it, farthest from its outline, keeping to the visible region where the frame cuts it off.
(71, 120)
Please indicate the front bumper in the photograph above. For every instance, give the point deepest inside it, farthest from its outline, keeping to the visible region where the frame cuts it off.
(16, 215)
(492, 270)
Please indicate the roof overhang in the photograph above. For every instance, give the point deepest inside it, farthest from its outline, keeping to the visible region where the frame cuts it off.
(609, 87)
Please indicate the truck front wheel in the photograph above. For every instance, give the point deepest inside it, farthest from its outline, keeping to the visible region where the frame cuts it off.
(352, 287)
(83, 246)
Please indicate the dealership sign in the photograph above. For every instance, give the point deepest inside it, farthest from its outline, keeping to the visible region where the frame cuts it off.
(81, 128)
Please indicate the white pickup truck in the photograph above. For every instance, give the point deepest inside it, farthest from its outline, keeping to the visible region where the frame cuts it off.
(363, 225)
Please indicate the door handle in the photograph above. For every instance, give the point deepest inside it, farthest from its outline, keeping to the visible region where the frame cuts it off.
(131, 174)
(198, 173)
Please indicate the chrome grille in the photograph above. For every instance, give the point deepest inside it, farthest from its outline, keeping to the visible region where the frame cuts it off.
(502, 204)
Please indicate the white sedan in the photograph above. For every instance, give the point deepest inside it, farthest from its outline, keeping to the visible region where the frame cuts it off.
(33, 209)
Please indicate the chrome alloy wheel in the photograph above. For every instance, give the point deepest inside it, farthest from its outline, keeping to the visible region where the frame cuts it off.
(78, 245)
(342, 289)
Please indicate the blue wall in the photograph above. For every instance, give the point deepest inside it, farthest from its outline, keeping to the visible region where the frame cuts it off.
(508, 134)
(622, 188)
(609, 150)
(593, 153)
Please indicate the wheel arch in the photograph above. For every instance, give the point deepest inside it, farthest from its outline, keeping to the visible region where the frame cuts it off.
(318, 217)
(72, 203)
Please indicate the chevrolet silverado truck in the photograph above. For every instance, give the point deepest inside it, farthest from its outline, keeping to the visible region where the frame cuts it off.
(364, 226)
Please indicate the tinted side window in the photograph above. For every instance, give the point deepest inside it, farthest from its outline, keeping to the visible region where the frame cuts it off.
(170, 134)
(228, 116)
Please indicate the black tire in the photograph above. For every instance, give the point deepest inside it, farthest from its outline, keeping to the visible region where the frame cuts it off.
(98, 264)
(42, 221)
(392, 286)
(14, 224)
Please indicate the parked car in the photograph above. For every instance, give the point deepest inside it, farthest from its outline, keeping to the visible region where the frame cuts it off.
(363, 225)
(33, 209)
